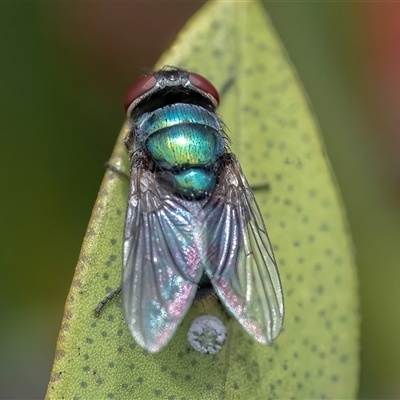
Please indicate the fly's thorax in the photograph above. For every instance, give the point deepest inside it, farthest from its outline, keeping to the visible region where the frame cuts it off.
(185, 142)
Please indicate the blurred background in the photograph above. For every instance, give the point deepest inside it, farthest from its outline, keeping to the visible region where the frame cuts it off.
(64, 69)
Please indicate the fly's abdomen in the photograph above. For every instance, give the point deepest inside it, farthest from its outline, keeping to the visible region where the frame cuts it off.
(195, 182)
(185, 141)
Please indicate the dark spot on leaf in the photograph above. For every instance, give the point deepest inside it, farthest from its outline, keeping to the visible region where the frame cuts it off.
(287, 202)
(324, 227)
(334, 378)
(343, 359)
(313, 348)
(338, 261)
(215, 25)
(84, 385)
(217, 53)
(261, 46)
(338, 280)
(328, 252)
(328, 325)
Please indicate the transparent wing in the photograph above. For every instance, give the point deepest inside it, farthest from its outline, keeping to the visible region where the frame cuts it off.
(162, 252)
(241, 264)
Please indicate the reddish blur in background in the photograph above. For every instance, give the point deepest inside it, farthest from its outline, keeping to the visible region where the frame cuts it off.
(64, 69)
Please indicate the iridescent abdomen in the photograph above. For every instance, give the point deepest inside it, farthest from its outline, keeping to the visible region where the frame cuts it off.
(185, 141)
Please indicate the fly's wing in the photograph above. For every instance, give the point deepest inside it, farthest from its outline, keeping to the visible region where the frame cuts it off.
(240, 261)
(161, 259)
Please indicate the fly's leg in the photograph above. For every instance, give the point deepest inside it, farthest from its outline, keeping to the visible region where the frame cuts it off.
(261, 186)
(226, 86)
(117, 171)
(107, 299)
(117, 291)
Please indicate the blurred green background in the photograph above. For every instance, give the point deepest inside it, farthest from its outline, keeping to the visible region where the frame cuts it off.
(64, 69)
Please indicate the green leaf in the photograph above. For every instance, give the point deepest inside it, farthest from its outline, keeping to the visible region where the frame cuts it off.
(276, 139)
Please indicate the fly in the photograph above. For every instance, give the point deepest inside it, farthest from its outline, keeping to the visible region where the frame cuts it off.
(192, 226)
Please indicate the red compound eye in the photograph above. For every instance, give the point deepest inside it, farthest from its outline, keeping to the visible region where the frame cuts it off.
(142, 86)
(204, 85)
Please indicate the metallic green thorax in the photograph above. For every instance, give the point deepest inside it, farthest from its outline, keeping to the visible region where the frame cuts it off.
(185, 141)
